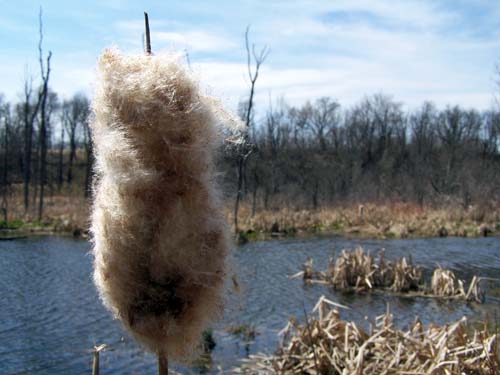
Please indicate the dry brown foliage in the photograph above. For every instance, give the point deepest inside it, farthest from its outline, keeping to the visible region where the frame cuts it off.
(359, 271)
(385, 220)
(328, 345)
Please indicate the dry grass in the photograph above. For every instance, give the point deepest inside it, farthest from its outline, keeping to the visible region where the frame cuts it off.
(388, 220)
(391, 220)
(359, 271)
(63, 212)
(328, 345)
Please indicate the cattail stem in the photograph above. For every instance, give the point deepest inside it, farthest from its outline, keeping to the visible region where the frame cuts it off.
(162, 364)
(95, 365)
(148, 35)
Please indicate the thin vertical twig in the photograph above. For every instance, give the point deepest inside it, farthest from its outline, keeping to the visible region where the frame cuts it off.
(148, 36)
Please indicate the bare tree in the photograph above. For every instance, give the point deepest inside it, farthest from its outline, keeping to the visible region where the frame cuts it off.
(422, 149)
(5, 187)
(89, 155)
(60, 162)
(74, 112)
(322, 120)
(52, 115)
(257, 59)
(30, 111)
(45, 74)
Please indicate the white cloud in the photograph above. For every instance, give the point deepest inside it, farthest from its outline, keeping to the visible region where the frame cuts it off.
(175, 36)
(195, 40)
(411, 54)
(70, 73)
(300, 84)
(423, 62)
(137, 26)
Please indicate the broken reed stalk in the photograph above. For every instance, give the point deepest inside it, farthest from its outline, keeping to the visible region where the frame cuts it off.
(95, 363)
(311, 342)
(328, 345)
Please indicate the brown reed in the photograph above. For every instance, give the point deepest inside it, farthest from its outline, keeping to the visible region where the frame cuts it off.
(327, 345)
(359, 271)
(378, 220)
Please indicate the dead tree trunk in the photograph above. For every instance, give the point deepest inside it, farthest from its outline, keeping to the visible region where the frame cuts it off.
(5, 177)
(30, 113)
(43, 120)
(60, 163)
(246, 151)
(89, 159)
(255, 188)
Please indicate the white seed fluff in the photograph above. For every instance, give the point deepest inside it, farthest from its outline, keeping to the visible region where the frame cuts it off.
(160, 240)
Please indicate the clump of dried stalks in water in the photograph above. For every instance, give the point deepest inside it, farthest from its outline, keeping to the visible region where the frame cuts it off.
(445, 284)
(160, 239)
(359, 271)
(328, 345)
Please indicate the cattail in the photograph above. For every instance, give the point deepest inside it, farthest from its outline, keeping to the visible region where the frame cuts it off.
(160, 240)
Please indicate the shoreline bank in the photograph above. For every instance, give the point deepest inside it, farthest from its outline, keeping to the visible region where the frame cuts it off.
(66, 216)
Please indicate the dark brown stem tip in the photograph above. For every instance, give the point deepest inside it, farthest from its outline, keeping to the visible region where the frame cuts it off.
(148, 35)
(162, 364)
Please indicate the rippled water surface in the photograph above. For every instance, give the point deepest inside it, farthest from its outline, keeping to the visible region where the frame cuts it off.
(50, 315)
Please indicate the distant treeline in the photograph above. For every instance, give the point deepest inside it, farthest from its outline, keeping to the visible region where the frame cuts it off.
(45, 151)
(301, 157)
(321, 154)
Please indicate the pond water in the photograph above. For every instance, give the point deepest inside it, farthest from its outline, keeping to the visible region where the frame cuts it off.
(50, 315)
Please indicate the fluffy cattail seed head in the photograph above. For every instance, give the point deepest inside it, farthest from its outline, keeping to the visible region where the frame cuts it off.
(160, 240)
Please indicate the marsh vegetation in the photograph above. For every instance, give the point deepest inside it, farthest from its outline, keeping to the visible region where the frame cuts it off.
(52, 319)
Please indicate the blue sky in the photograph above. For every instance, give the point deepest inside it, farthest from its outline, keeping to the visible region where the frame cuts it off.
(444, 51)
